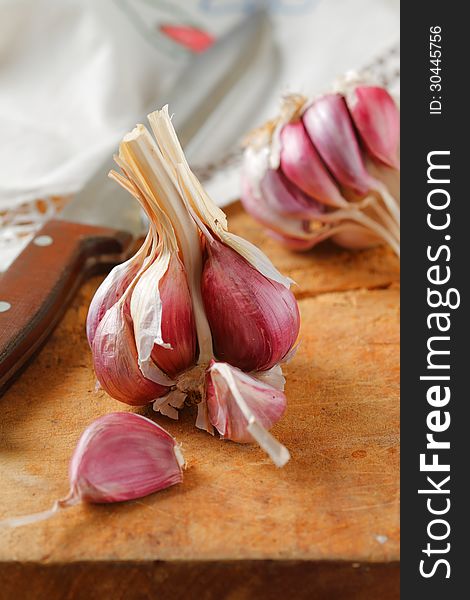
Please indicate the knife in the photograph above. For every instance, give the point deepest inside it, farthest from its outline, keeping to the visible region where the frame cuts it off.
(99, 227)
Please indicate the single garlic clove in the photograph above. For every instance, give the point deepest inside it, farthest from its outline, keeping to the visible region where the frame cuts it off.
(377, 119)
(269, 196)
(178, 328)
(123, 456)
(302, 165)
(162, 318)
(115, 360)
(109, 292)
(242, 408)
(119, 457)
(282, 196)
(330, 128)
(254, 320)
(257, 207)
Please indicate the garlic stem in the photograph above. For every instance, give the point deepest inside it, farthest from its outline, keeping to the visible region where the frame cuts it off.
(355, 214)
(388, 199)
(42, 515)
(198, 198)
(385, 217)
(150, 160)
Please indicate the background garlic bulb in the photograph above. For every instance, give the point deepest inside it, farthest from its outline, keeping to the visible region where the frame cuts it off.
(319, 170)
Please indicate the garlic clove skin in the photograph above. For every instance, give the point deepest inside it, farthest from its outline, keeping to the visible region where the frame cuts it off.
(115, 360)
(302, 165)
(377, 120)
(257, 207)
(109, 292)
(254, 320)
(274, 376)
(330, 128)
(282, 196)
(243, 408)
(162, 317)
(124, 456)
(178, 327)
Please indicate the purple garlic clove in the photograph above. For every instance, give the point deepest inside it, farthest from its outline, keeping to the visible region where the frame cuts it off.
(178, 328)
(377, 120)
(115, 360)
(283, 197)
(119, 457)
(331, 130)
(123, 456)
(254, 320)
(109, 292)
(242, 408)
(302, 165)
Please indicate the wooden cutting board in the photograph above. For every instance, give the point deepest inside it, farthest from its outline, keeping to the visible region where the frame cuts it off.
(325, 526)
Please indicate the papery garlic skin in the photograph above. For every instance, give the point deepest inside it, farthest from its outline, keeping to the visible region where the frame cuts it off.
(178, 327)
(109, 292)
(162, 318)
(124, 456)
(243, 408)
(114, 286)
(274, 376)
(116, 363)
(254, 321)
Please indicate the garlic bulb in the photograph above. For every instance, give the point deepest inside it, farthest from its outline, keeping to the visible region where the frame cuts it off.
(119, 457)
(199, 315)
(306, 177)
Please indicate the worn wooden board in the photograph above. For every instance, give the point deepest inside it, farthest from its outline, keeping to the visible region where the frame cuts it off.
(335, 503)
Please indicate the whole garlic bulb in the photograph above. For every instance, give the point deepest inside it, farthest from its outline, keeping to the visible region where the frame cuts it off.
(312, 174)
(198, 315)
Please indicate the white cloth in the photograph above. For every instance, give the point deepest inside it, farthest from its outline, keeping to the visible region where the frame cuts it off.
(75, 75)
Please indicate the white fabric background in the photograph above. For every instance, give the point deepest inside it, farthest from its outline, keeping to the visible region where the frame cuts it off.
(75, 75)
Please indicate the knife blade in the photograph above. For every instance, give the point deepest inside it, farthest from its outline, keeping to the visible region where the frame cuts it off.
(100, 225)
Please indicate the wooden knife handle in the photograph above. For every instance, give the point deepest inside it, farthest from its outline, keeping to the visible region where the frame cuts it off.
(37, 287)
